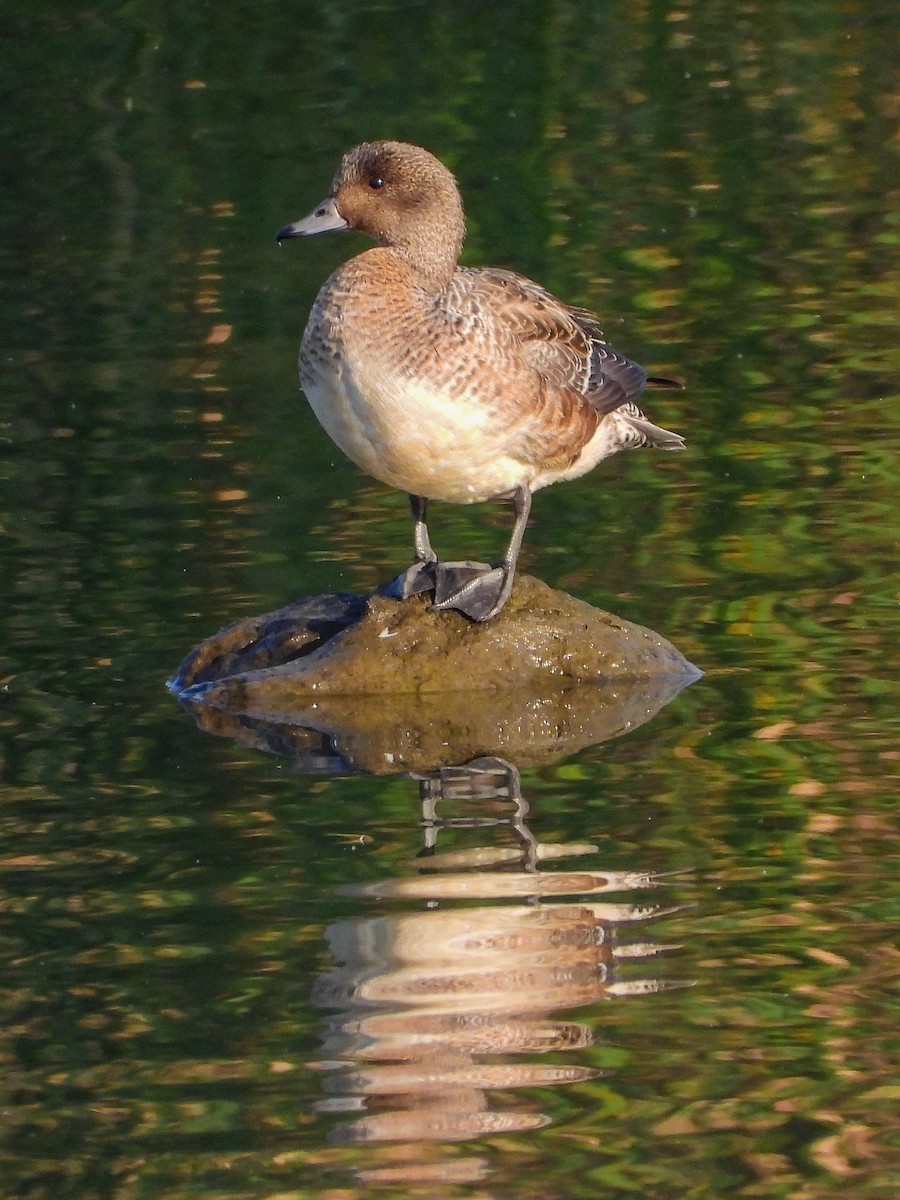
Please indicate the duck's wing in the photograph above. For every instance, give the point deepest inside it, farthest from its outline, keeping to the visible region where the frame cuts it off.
(579, 376)
(565, 344)
(608, 365)
(518, 315)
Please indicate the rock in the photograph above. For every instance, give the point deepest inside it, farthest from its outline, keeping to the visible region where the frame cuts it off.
(342, 645)
(395, 685)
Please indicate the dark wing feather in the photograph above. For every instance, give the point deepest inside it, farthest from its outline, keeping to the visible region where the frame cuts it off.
(614, 380)
(660, 381)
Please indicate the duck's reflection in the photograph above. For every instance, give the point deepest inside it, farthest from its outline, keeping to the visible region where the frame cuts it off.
(437, 1014)
(441, 1019)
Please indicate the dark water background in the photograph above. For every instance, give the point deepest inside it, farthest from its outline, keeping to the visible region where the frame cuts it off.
(221, 977)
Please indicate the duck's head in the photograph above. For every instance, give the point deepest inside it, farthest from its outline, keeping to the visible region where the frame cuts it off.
(399, 194)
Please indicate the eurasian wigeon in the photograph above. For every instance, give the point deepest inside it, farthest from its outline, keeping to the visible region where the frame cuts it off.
(454, 383)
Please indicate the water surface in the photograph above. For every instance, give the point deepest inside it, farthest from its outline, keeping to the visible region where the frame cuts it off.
(227, 977)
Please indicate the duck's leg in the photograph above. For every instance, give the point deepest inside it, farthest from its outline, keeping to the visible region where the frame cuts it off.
(480, 594)
(422, 542)
(420, 576)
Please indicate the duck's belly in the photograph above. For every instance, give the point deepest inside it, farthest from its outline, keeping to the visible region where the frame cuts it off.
(414, 437)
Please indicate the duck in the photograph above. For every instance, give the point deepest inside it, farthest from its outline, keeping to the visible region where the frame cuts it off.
(454, 383)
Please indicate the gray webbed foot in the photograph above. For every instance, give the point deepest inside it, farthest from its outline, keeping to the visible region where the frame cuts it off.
(451, 577)
(476, 590)
(420, 577)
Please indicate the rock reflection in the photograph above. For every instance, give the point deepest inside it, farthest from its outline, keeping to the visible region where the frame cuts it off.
(437, 1014)
(426, 732)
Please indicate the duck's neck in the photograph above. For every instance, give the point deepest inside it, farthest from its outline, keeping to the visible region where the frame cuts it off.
(432, 248)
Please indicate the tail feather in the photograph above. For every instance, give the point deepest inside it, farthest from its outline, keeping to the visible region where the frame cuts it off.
(654, 435)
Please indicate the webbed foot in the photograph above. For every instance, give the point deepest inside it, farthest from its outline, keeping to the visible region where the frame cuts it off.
(420, 577)
(451, 577)
(476, 590)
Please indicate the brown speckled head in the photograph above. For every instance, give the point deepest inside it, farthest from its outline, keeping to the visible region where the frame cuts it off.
(406, 199)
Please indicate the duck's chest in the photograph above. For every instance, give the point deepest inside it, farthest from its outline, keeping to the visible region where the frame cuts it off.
(399, 396)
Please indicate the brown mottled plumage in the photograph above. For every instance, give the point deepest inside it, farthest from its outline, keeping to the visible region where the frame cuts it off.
(454, 383)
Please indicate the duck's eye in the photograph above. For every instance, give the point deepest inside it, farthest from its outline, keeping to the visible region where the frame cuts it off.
(376, 182)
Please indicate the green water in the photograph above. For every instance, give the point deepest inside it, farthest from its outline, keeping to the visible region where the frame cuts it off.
(223, 977)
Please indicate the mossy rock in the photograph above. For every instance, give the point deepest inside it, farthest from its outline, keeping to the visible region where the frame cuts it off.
(402, 687)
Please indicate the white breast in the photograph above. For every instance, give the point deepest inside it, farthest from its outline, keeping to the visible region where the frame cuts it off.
(412, 436)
